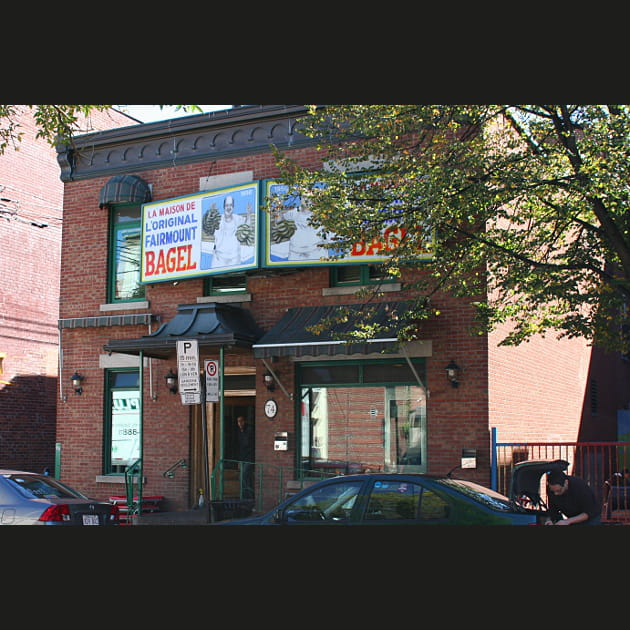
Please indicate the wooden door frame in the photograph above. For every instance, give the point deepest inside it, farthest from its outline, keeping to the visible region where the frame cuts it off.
(213, 411)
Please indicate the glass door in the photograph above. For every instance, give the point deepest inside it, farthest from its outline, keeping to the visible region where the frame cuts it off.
(405, 429)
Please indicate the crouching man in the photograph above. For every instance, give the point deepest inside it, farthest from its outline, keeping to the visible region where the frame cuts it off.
(571, 501)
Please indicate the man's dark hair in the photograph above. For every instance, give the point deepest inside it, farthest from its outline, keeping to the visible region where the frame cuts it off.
(556, 478)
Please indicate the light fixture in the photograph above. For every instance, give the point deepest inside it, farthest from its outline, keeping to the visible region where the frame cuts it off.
(269, 381)
(171, 381)
(76, 379)
(452, 370)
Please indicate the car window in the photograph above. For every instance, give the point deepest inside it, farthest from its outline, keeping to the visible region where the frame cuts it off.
(403, 500)
(483, 495)
(329, 503)
(42, 488)
(393, 501)
(433, 506)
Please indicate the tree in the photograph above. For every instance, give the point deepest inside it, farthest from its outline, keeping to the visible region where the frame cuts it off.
(56, 123)
(528, 205)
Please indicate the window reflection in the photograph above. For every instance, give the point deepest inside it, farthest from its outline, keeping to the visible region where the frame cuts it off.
(357, 429)
(330, 503)
(126, 254)
(405, 430)
(392, 501)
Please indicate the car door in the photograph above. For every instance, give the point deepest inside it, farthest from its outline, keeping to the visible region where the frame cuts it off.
(15, 507)
(334, 503)
(399, 501)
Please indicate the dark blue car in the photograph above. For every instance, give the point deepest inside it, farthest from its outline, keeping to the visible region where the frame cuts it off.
(395, 499)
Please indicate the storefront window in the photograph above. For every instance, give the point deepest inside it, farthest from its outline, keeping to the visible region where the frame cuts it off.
(371, 424)
(122, 425)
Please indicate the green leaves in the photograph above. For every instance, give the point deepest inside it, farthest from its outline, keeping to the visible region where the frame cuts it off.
(55, 123)
(530, 199)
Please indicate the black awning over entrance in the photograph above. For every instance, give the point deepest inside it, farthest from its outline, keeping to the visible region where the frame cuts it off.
(291, 337)
(209, 324)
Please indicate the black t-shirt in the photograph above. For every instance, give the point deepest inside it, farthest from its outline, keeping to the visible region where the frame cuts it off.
(578, 498)
(246, 444)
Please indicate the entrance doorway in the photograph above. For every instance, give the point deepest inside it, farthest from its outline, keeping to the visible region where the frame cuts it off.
(233, 408)
(239, 389)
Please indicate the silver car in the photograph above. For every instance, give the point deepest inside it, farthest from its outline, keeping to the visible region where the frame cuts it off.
(28, 498)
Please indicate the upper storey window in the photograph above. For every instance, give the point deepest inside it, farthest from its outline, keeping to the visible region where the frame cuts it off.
(125, 246)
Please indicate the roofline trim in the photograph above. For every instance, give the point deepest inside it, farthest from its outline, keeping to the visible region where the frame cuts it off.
(225, 133)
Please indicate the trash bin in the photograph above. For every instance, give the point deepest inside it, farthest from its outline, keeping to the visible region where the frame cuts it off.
(226, 509)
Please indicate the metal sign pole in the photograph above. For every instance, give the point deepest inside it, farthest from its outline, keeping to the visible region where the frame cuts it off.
(211, 394)
(141, 437)
(204, 430)
(221, 414)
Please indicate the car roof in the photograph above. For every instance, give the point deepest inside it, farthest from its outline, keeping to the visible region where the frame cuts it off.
(371, 475)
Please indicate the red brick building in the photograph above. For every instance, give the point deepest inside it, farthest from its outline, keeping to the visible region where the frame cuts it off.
(31, 204)
(146, 210)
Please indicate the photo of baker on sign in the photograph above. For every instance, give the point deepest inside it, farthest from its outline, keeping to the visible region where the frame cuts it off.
(200, 234)
(291, 235)
(228, 229)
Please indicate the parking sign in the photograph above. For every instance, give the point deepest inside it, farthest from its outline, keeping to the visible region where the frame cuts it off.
(211, 369)
(188, 371)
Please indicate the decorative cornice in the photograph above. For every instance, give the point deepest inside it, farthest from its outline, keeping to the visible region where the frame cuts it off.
(241, 130)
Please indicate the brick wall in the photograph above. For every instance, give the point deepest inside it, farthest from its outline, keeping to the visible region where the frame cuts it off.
(457, 418)
(497, 388)
(537, 389)
(29, 296)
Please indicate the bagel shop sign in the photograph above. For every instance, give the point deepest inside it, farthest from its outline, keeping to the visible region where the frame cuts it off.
(290, 239)
(200, 234)
(224, 230)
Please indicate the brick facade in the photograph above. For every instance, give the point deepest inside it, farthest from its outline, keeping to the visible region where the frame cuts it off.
(30, 232)
(536, 391)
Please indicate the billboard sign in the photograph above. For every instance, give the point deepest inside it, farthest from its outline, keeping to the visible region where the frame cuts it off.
(202, 234)
(290, 240)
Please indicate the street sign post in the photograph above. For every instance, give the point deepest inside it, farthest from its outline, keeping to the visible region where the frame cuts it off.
(211, 368)
(189, 383)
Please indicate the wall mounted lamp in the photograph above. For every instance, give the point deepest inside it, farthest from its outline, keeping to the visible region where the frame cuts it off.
(452, 372)
(269, 381)
(76, 379)
(171, 382)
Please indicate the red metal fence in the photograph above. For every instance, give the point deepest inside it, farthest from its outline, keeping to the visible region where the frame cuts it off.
(603, 465)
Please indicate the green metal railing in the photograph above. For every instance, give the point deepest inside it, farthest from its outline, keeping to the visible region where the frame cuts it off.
(269, 485)
(133, 474)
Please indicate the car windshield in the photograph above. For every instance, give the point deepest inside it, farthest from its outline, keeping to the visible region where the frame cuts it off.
(479, 493)
(36, 487)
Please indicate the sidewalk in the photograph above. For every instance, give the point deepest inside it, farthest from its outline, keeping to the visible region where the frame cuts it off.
(217, 511)
(188, 517)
